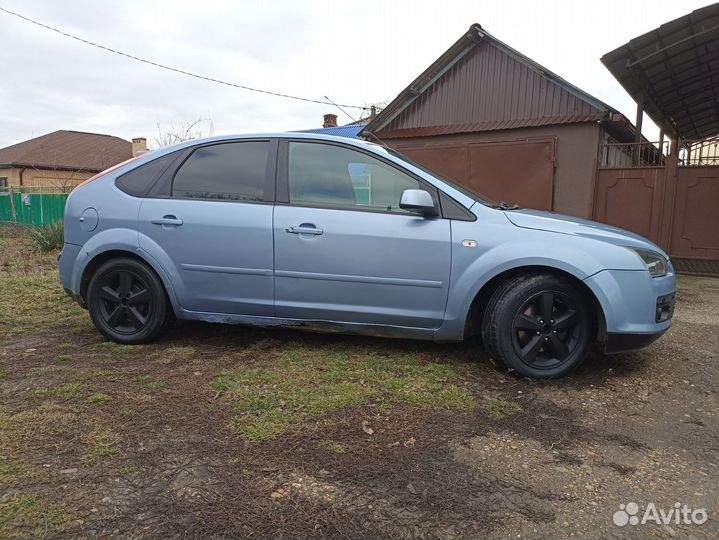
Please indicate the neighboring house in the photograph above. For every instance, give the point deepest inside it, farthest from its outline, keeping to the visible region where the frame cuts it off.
(62, 159)
(499, 123)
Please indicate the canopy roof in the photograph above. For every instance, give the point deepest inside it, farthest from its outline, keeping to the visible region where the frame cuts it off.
(673, 73)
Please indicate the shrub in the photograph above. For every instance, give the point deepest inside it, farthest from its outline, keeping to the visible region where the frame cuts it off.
(48, 238)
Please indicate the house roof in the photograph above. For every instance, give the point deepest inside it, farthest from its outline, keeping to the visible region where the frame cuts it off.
(482, 84)
(674, 72)
(350, 131)
(67, 150)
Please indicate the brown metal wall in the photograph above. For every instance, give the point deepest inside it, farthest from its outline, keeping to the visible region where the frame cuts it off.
(631, 199)
(517, 165)
(680, 213)
(489, 90)
(695, 223)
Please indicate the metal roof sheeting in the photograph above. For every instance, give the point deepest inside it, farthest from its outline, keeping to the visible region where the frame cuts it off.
(674, 71)
(351, 131)
(487, 126)
(482, 84)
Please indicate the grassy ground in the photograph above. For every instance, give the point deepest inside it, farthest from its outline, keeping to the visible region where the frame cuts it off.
(227, 431)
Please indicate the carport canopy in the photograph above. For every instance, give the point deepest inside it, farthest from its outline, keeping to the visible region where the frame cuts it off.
(672, 73)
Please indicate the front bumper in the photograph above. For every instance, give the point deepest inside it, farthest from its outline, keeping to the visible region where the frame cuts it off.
(617, 343)
(637, 308)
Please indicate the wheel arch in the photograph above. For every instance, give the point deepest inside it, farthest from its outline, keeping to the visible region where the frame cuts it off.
(475, 315)
(101, 258)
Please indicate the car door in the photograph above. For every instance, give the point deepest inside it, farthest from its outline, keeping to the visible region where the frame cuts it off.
(216, 228)
(345, 251)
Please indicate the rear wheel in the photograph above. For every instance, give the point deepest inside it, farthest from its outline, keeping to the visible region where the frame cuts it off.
(540, 326)
(127, 301)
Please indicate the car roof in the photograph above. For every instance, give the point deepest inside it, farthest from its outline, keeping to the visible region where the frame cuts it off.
(276, 135)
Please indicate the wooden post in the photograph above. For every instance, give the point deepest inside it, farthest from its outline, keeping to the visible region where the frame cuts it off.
(661, 147)
(638, 134)
(669, 195)
(12, 203)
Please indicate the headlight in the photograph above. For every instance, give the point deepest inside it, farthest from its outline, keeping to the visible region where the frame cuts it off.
(655, 262)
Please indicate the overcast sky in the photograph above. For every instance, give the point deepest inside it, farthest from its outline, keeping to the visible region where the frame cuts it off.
(354, 52)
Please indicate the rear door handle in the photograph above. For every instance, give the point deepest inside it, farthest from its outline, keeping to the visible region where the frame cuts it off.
(304, 230)
(167, 220)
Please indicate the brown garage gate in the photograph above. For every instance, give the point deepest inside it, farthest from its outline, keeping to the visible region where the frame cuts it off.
(520, 171)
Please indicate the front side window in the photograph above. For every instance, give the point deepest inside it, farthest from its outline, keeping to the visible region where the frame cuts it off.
(336, 177)
(227, 171)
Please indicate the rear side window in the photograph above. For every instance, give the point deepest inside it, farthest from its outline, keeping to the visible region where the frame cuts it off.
(138, 181)
(229, 171)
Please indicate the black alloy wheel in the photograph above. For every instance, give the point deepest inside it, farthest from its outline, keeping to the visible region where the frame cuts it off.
(540, 325)
(546, 329)
(127, 301)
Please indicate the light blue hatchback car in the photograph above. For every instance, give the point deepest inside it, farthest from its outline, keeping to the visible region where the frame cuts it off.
(313, 231)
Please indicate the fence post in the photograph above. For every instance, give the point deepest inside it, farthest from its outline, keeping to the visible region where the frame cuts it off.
(12, 204)
(669, 195)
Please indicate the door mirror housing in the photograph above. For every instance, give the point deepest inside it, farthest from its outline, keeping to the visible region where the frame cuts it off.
(419, 201)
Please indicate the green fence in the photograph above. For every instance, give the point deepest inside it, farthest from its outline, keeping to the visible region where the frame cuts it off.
(32, 207)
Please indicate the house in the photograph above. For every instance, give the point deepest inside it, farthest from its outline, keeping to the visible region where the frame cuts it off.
(492, 119)
(62, 159)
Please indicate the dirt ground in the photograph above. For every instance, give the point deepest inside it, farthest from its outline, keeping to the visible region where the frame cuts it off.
(219, 431)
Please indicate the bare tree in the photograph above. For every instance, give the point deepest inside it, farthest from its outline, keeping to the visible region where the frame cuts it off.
(202, 127)
(65, 181)
(61, 179)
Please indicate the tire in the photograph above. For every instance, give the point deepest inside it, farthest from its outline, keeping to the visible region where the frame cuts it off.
(127, 301)
(516, 333)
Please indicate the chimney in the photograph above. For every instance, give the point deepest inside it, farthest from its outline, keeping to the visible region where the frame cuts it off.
(330, 121)
(139, 146)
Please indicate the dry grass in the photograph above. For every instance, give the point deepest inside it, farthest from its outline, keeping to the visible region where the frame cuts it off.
(14, 472)
(499, 408)
(177, 354)
(305, 382)
(27, 516)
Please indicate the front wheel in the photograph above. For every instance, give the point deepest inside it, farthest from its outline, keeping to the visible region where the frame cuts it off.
(540, 326)
(127, 301)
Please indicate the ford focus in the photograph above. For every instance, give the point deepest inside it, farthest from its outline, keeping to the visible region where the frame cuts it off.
(314, 231)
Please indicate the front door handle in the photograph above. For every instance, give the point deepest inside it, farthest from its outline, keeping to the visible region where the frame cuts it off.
(304, 230)
(167, 220)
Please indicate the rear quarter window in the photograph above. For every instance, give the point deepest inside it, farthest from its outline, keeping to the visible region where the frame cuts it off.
(138, 181)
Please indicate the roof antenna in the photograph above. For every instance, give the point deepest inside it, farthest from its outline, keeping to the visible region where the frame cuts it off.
(341, 109)
(375, 137)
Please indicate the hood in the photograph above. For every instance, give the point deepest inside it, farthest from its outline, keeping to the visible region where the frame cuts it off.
(549, 221)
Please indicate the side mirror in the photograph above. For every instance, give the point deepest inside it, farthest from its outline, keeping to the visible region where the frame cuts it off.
(419, 201)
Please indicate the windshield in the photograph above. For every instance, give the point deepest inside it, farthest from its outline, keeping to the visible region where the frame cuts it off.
(462, 189)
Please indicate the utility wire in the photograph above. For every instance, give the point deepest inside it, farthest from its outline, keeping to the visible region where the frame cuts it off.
(169, 68)
(341, 109)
